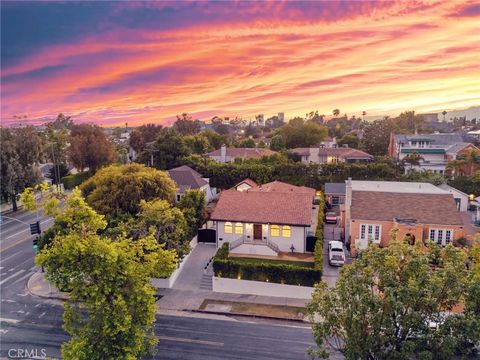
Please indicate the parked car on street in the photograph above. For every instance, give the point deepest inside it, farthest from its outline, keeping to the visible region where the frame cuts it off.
(336, 254)
(331, 218)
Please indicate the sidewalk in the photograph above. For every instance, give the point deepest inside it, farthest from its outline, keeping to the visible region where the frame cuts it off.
(172, 300)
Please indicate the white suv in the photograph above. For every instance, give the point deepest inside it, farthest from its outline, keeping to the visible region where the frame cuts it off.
(336, 255)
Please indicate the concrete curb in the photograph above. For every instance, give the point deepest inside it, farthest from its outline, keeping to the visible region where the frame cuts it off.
(250, 315)
(38, 286)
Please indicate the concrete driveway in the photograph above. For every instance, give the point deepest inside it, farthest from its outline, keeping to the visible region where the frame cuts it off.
(191, 276)
(330, 273)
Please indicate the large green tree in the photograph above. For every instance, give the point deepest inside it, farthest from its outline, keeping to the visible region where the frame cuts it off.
(89, 147)
(167, 150)
(192, 205)
(394, 303)
(119, 189)
(141, 136)
(303, 134)
(21, 151)
(376, 137)
(164, 222)
(111, 306)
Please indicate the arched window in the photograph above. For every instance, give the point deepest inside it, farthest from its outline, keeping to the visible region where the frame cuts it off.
(274, 230)
(228, 228)
(238, 228)
(286, 231)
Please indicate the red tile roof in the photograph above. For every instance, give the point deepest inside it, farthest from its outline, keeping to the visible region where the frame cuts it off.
(278, 186)
(264, 207)
(435, 209)
(247, 181)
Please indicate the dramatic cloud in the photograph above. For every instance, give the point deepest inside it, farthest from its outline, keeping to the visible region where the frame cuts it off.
(139, 62)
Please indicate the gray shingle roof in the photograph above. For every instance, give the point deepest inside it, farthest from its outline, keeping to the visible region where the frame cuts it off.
(186, 178)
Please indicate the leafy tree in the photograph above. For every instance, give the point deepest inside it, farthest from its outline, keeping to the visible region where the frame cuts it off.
(21, 150)
(141, 136)
(384, 303)
(472, 161)
(277, 143)
(377, 137)
(302, 135)
(197, 144)
(351, 140)
(111, 306)
(336, 112)
(58, 172)
(261, 144)
(89, 147)
(61, 122)
(116, 189)
(455, 167)
(192, 205)
(216, 140)
(167, 150)
(246, 143)
(185, 125)
(164, 222)
(409, 122)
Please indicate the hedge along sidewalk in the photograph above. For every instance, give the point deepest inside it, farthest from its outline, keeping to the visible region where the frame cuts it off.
(281, 273)
(318, 251)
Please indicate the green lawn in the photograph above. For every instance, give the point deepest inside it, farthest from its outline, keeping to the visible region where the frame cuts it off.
(272, 261)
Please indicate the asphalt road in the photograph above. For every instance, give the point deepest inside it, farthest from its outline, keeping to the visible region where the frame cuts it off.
(32, 327)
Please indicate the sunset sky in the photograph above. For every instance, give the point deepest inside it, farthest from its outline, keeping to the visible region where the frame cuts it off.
(142, 62)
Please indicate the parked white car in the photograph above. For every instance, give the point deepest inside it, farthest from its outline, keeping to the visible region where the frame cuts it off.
(336, 254)
(331, 218)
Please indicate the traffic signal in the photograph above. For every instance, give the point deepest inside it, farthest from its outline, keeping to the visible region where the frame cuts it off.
(35, 243)
(35, 228)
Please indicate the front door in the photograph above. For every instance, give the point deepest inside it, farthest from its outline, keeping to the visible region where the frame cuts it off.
(257, 231)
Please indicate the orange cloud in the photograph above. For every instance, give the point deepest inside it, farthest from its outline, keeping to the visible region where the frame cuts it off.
(388, 59)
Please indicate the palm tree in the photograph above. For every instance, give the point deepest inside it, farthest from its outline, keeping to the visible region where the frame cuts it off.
(363, 115)
(455, 166)
(444, 113)
(472, 160)
(413, 158)
(336, 112)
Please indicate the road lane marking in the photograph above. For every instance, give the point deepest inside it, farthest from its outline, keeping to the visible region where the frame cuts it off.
(12, 276)
(3, 331)
(9, 257)
(22, 231)
(42, 314)
(10, 321)
(22, 278)
(191, 341)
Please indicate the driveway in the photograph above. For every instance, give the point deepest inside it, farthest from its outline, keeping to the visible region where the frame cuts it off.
(192, 273)
(330, 273)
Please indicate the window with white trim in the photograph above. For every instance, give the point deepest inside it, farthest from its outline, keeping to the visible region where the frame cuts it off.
(274, 230)
(238, 228)
(286, 231)
(228, 228)
(371, 232)
(441, 236)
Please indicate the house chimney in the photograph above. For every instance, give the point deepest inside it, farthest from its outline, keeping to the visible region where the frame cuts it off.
(223, 154)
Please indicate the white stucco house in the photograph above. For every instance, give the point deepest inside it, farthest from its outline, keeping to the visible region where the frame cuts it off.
(461, 199)
(188, 179)
(265, 220)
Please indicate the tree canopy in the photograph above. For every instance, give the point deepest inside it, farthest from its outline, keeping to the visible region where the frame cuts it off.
(111, 305)
(395, 303)
(302, 134)
(117, 189)
(89, 147)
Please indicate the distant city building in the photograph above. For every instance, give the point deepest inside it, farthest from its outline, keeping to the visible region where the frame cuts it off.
(281, 116)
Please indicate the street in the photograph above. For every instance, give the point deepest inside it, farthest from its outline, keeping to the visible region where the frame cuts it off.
(33, 326)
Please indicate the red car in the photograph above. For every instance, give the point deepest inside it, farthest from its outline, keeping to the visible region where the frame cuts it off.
(331, 218)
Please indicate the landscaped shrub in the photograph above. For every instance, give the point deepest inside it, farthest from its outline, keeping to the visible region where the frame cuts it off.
(318, 251)
(71, 181)
(281, 273)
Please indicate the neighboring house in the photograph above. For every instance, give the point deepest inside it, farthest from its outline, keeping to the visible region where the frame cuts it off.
(333, 155)
(225, 155)
(475, 134)
(244, 185)
(435, 149)
(188, 179)
(461, 199)
(335, 193)
(419, 211)
(329, 142)
(265, 220)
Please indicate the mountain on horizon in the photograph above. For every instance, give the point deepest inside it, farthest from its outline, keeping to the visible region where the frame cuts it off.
(472, 112)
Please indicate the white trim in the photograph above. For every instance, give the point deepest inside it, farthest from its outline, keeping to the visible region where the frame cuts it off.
(370, 231)
(440, 235)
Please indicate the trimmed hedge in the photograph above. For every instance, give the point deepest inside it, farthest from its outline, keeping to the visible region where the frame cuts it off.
(71, 181)
(318, 251)
(226, 267)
